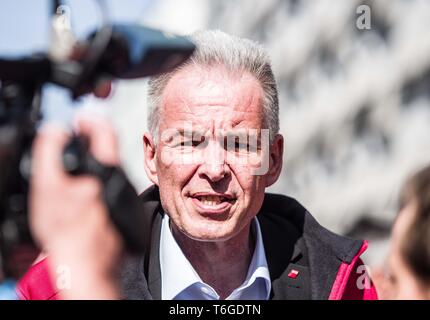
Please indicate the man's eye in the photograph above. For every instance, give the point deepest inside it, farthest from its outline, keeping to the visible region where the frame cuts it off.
(198, 142)
(192, 143)
(236, 144)
(241, 146)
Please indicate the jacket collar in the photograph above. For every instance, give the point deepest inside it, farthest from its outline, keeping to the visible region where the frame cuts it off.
(322, 250)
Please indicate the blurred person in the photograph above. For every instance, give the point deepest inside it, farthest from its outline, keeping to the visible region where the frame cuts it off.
(69, 220)
(67, 215)
(407, 274)
(213, 232)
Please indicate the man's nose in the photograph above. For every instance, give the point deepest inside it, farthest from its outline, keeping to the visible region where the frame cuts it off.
(214, 164)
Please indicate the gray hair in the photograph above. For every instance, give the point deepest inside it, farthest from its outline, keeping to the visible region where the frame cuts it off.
(215, 47)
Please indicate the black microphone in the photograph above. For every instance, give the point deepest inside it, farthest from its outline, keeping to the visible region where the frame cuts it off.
(123, 51)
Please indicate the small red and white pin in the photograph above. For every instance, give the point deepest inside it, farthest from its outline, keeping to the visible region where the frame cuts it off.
(293, 273)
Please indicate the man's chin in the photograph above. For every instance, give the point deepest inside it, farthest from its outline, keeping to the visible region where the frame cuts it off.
(208, 234)
(201, 227)
(209, 238)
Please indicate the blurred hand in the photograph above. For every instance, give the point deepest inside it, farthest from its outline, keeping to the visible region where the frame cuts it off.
(68, 217)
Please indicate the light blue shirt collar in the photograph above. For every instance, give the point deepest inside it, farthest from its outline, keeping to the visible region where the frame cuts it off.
(179, 280)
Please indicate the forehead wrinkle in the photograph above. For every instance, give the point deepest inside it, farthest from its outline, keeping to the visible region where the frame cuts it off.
(187, 107)
(201, 95)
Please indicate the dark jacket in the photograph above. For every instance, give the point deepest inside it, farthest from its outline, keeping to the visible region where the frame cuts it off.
(305, 260)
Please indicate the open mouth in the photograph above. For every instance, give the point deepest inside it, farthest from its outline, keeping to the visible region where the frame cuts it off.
(213, 200)
(212, 203)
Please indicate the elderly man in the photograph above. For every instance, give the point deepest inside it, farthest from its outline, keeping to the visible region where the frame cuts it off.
(212, 231)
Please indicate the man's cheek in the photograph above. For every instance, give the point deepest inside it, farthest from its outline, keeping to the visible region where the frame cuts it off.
(175, 177)
(252, 164)
(166, 157)
(258, 157)
(247, 181)
(259, 162)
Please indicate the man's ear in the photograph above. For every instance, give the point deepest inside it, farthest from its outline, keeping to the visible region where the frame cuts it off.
(149, 151)
(275, 164)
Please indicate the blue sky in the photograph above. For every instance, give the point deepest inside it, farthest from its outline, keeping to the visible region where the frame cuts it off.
(25, 29)
(24, 24)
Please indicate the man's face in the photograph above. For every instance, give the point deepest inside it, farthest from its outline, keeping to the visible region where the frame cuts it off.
(210, 180)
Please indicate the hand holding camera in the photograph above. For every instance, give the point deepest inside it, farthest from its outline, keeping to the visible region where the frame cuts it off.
(65, 207)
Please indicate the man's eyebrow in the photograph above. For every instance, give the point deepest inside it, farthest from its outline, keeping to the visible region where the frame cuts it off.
(248, 132)
(184, 131)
